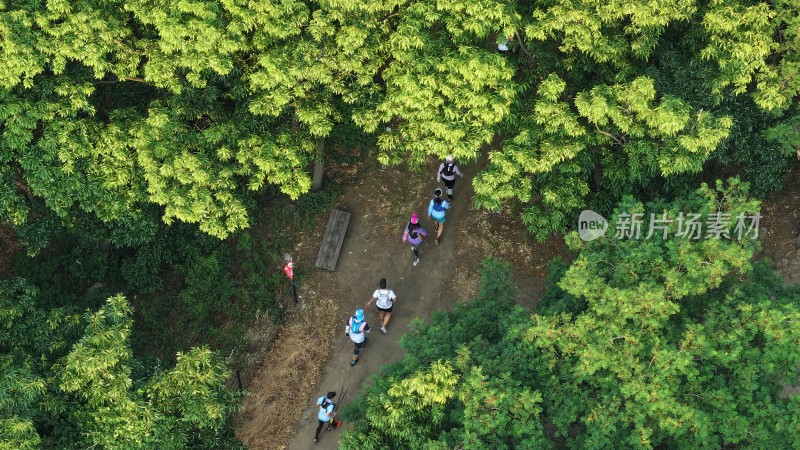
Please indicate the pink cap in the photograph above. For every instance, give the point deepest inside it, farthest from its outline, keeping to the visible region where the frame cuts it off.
(414, 218)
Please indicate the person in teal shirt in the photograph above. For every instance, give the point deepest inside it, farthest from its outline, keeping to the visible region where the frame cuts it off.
(436, 210)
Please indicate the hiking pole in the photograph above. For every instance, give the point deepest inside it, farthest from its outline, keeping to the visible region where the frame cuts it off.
(333, 423)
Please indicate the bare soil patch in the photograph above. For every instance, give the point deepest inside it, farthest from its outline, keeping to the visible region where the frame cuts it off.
(780, 228)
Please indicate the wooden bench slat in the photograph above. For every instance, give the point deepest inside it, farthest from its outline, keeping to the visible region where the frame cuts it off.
(333, 239)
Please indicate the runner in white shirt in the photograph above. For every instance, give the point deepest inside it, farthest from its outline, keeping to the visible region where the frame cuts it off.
(384, 300)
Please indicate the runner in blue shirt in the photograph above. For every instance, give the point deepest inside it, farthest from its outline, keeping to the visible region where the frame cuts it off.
(326, 412)
(436, 209)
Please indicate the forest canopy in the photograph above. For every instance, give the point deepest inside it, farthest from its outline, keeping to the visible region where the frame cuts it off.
(117, 115)
(138, 136)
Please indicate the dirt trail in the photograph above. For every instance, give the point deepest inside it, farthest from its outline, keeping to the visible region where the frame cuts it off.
(311, 355)
(367, 255)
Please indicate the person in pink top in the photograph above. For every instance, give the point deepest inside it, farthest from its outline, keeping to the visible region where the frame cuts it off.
(413, 235)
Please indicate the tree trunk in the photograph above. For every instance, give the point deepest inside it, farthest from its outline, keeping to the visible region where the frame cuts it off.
(20, 183)
(319, 166)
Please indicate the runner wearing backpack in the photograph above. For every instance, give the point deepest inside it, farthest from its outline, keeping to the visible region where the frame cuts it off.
(326, 412)
(357, 328)
(447, 173)
(384, 300)
(436, 209)
(413, 234)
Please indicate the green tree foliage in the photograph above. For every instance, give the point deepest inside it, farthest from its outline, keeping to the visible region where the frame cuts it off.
(671, 347)
(623, 95)
(20, 386)
(139, 111)
(675, 343)
(70, 389)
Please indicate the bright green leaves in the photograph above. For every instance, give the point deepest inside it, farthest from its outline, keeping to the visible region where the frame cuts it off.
(499, 410)
(645, 364)
(607, 117)
(677, 267)
(21, 389)
(93, 32)
(196, 175)
(783, 85)
(190, 40)
(97, 373)
(441, 104)
(267, 20)
(675, 349)
(687, 152)
(635, 136)
(419, 399)
(193, 406)
(467, 22)
(82, 141)
(595, 100)
(444, 93)
(740, 40)
(627, 115)
(410, 413)
(54, 396)
(54, 153)
(172, 409)
(21, 59)
(607, 32)
(460, 383)
(34, 39)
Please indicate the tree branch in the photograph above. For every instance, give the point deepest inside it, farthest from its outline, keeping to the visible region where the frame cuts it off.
(137, 79)
(616, 139)
(20, 184)
(699, 113)
(522, 46)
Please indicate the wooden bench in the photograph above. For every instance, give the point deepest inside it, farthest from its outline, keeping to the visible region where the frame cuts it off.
(333, 239)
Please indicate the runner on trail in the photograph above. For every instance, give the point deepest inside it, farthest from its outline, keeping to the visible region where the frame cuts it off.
(326, 412)
(385, 299)
(357, 328)
(447, 173)
(413, 234)
(436, 209)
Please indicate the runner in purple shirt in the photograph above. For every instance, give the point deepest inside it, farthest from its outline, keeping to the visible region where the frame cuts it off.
(413, 234)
